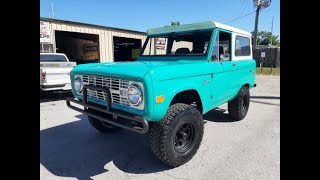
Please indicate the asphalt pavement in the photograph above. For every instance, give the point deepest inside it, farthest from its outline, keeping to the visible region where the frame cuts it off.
(248, 149)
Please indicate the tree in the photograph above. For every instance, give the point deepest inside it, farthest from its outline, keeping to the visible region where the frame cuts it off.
(263, 38)
(176, 23)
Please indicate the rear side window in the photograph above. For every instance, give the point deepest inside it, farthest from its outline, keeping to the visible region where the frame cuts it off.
(242, 46)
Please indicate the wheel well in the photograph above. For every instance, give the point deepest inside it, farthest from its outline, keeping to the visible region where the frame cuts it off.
(190, 97)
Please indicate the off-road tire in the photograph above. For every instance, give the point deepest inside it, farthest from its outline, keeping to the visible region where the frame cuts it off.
(101, 126)
(239, 106)
(163, 135)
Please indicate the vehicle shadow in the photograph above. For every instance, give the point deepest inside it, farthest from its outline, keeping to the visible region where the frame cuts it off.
(259, 99)
(218, 115)
(221, 115)
(78, 150)
(52, 96)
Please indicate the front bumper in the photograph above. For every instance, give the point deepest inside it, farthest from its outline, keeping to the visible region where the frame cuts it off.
(103, 112)
(49, 87)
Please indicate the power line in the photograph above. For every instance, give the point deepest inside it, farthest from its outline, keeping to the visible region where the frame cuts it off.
(240, 17)
(244, 8)
(242, 4)
(246, 15)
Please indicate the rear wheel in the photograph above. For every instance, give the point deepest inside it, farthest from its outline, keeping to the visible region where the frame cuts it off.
(239, 106)
(102, 126)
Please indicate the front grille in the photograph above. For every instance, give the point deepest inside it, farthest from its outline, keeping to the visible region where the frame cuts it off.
(118, 89)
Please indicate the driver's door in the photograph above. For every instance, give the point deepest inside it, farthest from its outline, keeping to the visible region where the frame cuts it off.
(223, 82)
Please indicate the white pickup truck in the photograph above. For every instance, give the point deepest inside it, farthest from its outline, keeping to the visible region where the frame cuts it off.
(55, 72)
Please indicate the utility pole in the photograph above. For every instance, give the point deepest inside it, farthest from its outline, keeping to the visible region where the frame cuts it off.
(271, 31)
(271, 45)
(52, 9)
(260, 4)
(256, 25)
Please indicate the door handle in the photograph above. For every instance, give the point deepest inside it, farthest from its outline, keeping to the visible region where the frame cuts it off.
(233, 64)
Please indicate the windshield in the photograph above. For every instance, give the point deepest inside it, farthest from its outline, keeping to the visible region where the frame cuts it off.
(52, 58)
(183, 44)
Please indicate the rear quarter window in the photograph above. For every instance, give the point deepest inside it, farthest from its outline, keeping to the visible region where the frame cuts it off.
(242, 46)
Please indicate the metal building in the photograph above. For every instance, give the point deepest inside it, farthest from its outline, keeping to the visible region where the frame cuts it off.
(85, 43)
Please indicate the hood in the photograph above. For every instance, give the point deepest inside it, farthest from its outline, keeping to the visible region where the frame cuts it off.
(138, 69)
(115, 69)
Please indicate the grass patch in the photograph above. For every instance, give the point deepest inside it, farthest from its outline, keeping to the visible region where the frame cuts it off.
(268, 71)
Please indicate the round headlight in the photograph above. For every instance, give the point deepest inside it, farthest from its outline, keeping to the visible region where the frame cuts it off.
(78, 85)
(134, 95)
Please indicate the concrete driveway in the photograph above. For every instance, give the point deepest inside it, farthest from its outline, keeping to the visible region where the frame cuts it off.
(248, 149)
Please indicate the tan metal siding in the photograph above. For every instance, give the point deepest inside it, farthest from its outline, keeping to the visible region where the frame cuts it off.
(109, 48)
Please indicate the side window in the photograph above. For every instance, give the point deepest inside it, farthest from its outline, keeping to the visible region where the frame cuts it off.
(222, 47)
(242, 46)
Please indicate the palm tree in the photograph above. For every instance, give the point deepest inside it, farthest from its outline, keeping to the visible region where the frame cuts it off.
(263, 38)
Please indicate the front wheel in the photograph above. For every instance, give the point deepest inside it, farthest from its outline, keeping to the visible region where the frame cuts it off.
(239, 106)
(177, 137)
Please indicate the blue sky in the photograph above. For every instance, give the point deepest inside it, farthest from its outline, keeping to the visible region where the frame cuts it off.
(141, 15)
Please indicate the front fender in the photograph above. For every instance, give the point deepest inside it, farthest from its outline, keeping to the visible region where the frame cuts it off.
(169, 88)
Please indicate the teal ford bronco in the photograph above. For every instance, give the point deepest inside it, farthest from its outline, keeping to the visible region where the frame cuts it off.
(182, 72)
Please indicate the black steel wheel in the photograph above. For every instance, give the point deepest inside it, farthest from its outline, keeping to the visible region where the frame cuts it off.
(239, 106)
(184, 138)
(177, 137)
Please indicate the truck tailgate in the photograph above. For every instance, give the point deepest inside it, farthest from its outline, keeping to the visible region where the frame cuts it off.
(56, 76)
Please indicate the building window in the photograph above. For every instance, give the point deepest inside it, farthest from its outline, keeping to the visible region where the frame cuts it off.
(242, 46)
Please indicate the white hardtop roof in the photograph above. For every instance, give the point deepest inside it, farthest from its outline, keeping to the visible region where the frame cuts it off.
(233, 29)
(196, 26)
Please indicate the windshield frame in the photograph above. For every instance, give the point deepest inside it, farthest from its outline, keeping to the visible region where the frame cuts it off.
(178, 55)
